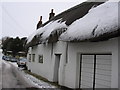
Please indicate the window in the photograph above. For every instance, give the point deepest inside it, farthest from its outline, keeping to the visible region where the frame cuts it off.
(29, 57)
(40, 58)
(33, 57)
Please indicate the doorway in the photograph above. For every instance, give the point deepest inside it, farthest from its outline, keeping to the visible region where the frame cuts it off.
(56, 67)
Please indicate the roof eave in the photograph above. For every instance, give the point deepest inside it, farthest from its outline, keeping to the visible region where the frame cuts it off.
(103, 37)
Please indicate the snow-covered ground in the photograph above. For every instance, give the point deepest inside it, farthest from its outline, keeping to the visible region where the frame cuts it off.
(38, 83)
(0, 58)
(0, 69)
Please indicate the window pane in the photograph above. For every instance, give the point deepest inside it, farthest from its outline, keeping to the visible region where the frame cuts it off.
(29, 57)
(33, 57)
(40, 59)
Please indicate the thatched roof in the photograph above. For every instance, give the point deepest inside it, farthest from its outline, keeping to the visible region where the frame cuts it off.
(64, 20)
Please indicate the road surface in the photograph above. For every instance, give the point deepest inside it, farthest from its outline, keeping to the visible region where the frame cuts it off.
(12, 77)
(0, 75)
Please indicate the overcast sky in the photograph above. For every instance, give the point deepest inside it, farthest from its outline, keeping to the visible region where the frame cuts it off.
(20, 18)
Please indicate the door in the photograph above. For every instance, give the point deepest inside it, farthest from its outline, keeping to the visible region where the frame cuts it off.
(56, 67)
(87, 71)
(95, 71)
(103, 71)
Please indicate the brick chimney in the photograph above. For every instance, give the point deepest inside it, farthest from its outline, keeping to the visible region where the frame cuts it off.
(51, 15)
(39, 23)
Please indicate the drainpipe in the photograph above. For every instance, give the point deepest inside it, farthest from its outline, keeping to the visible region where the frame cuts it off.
(65, 62)
(51, 50)
(51, 66)
(66, 53)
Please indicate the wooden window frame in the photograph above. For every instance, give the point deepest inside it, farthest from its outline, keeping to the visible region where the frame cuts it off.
(33, 57)
(29, 57)
(40, 58)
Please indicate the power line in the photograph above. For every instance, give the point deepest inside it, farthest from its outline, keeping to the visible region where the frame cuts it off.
(14, 20)
(11, 26)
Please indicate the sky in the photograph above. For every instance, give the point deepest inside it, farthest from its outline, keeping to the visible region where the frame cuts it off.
(20, 17)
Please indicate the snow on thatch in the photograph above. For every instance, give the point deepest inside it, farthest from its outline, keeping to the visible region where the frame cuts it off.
(99, 20)
(47, 30)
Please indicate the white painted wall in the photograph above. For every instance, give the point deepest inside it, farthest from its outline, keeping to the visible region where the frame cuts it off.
(43, 69)
(47, 68)
(69, 72)
(60, 48)
(119, 62)
(75, 49)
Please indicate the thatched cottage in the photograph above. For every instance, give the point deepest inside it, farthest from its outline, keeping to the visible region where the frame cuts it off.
(80, 47)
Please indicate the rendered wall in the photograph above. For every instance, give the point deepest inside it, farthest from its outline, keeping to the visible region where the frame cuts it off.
(60, 48)
(119, 45)
(119, 62)
(47, 68)
(75, 49)
(69, 72)
(43, 69)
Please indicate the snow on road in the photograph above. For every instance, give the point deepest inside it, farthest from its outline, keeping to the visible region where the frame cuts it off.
(29, 78)
(38, 83)
(7, 64)
(0, 58)
(14, 64)
(0, 69)
(0, 63)
(12, 74)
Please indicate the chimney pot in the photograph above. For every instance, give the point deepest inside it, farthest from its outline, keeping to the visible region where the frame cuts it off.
(51, 15)
(40, 18)
(51, 10)
(39, 23)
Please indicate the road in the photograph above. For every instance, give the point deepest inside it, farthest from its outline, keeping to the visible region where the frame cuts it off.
(0, 76)
(12, 77)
